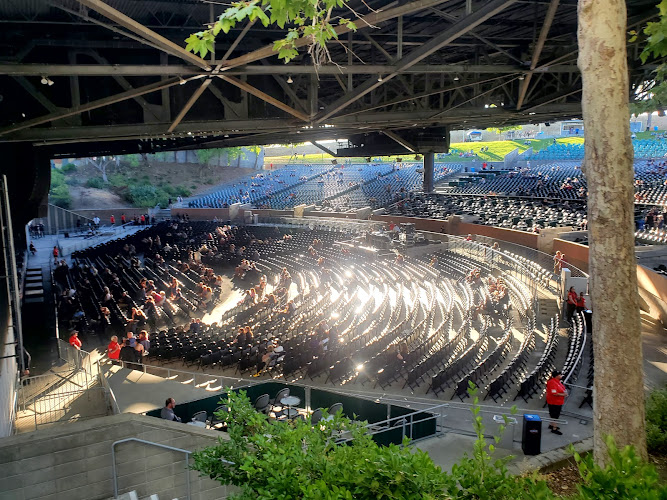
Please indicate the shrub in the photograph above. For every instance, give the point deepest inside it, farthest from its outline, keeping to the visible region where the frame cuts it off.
(183, 191)
(118, 180)
(625, 477)
(274, 459)
(61, 197)
(69, 168)
(209, 181)
(193, 187)
(95, 182)
(143, 195)
(57, 178)
(481, 477)
(73, 181)
(656, 421)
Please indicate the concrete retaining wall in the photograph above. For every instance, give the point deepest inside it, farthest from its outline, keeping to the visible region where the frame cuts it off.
(73, 461)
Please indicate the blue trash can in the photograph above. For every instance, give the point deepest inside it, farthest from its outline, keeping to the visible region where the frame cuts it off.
(531, 440)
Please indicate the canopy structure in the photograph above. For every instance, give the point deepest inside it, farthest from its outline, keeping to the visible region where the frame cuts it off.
(91, 77)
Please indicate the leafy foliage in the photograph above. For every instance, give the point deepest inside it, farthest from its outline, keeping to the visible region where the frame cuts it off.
(68, 168)
(625, 477)
(59, 194)
(309, 22)
(481, 477)
(95, 182)
(297, 460)
(656, 421)
(501, 130)
(652, 95)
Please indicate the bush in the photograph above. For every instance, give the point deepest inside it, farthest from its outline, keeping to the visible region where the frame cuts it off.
(60, 196)
(182, 191)
(209, 181)
(273, 459)
(69, 168)
(118, 180)
(95, 182)
(656, 421)
(57, 178)
(73, 181)
(625, 477)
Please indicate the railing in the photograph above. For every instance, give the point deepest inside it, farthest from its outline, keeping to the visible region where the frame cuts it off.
(187, 454)
(407, 424)
(326, 223)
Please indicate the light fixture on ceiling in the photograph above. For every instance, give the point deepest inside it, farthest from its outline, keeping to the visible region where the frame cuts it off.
(456, 78)
(226, 135)
(521, 77)
(289, 79)
(44, 80)
(182, 82)
(379, 78)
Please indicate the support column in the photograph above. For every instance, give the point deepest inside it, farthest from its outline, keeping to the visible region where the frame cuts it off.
(429, 161)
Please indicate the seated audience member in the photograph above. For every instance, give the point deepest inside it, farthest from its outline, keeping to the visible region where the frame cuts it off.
(127, 353)
(167, 412)
(289, 309)
(143, 340)
(131, 339)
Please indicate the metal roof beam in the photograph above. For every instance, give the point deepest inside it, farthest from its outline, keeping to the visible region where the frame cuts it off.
(397, 138)
(270, 69)
(537, 51)
(323, 148)
(265, 97)
(99, 103)
(463, 26)
(373, 19)
(144, 32)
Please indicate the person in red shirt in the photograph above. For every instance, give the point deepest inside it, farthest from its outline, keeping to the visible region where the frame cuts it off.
(581, 303)
(113, 349)
(112, 220)
(572, 301)
(55, 254)
(75, 341)
(556, 393)
(123, 220)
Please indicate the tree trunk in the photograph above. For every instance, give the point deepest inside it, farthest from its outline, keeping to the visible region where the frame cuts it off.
(619, 387)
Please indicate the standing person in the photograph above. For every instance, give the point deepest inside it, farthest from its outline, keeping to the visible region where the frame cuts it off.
(96, 221)
(56, 252)
(33, 250)
(581, 303)
(142, 220)
(113, 349)
(112, 219)
(558, 262)
(123, 220)
(75, 342)
(167, 412)
(572, 300)
(556, 393)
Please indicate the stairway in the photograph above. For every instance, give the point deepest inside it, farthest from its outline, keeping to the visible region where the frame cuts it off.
(163, 214)
(34, 286)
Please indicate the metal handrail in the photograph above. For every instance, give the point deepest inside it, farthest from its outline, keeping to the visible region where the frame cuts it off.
(581, 351)
(166, 447)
